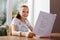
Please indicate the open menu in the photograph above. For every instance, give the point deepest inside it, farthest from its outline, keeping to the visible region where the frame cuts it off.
(44, 24)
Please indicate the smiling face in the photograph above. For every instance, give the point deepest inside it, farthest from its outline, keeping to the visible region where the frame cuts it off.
(24, 12)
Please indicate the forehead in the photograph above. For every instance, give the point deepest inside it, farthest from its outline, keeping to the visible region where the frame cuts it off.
(25, 8)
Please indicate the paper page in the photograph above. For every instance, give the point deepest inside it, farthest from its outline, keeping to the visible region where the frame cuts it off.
(44, 24)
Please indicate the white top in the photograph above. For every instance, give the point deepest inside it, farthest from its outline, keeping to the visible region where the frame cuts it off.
(21, 27)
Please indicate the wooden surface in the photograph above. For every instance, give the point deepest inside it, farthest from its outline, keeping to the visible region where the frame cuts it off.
(23, 38)
(20, 38)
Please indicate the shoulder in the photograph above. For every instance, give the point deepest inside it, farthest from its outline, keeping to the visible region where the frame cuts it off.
(15, 19)
(27, 22)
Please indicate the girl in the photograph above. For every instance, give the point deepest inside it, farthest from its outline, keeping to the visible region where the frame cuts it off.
(20, 24)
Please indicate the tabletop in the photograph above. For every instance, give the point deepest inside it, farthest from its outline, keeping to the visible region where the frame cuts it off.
(24, 38)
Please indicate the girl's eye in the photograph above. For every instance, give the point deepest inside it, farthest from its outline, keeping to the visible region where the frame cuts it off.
(27, 12)
(23, 11)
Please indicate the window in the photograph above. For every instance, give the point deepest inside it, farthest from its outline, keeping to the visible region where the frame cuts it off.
(2, 11)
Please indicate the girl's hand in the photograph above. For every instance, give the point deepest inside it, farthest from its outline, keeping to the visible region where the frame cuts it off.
(30, 35)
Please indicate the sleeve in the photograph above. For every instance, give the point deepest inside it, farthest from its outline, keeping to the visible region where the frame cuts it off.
(14, 22)
(16, 32)
(28, 23)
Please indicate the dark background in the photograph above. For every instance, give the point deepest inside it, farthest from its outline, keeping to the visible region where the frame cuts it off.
(55, 9)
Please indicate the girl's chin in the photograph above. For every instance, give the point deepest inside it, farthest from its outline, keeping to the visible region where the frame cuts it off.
(25, 17)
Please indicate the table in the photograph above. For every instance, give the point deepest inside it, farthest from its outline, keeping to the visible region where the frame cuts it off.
(23, 38)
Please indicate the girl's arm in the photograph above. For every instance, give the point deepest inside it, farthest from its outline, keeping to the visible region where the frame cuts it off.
(22, 34)
(14, 32)
(31, 28)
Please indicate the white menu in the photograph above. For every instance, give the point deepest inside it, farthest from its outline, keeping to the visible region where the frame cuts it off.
(44, 24)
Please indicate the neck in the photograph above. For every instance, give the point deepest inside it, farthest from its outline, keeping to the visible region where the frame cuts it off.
(23, 19)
